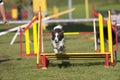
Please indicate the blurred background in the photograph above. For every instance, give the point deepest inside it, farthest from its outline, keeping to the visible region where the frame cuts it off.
(25, 9)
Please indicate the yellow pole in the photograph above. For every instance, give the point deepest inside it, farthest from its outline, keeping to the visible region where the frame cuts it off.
(61, 13)
(42, 3)
(110, 46)
(102, 47)
(44, 6)
(38, 40)
(27, 39)
(14, 12)
(86, 9)
(55, 11)
(35, 36)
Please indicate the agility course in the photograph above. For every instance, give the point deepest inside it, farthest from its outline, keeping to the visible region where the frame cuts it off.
(15, 67)
(33, 22)
(43, 56)
(87, 55)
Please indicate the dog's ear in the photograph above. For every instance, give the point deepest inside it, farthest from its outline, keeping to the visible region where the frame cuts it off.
(52, 31)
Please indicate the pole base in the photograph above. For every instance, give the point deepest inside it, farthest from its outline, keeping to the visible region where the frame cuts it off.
(37, 66)
(44, 67)
(112, 64)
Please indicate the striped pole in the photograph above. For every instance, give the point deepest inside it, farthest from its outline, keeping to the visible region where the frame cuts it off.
(102, 47)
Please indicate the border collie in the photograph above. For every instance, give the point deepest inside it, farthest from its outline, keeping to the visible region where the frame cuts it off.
(57, 39)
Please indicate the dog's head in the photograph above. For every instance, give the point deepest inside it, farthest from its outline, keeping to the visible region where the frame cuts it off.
(57, 33)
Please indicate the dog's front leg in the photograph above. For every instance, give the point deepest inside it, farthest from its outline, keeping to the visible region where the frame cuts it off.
(55, 47)
(62, 49)
(55, 50)
(61, 46)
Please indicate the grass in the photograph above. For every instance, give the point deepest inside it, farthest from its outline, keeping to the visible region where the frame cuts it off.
(14, 67)
(80, 7)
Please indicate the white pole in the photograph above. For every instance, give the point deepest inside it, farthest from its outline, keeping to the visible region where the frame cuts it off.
(14, 38)
(94, 27)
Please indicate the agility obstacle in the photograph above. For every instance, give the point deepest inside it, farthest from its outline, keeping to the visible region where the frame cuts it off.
(81, 33)
(43, 57)
(34, 24)
(102, 54)
(72, 33)
(27, 38)
(113, 26)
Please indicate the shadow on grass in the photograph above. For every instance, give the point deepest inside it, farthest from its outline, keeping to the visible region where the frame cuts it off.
(66, 64)
(4, 60)
(118, 61)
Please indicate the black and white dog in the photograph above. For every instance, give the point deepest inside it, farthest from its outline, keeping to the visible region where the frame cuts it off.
(57, 39)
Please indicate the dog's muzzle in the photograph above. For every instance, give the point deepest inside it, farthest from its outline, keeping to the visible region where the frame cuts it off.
(56, 41)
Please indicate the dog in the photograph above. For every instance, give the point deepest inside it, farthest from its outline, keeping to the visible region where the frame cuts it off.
(105, 31)
(57, 39)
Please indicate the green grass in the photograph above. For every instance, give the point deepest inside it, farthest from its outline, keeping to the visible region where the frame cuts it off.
(14, 67)
(79, 12)
(78, 4)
